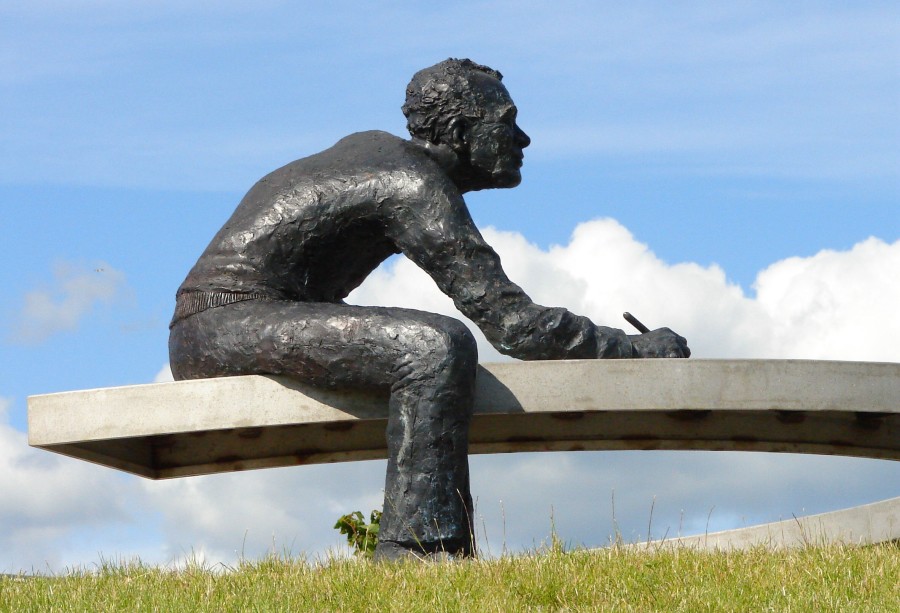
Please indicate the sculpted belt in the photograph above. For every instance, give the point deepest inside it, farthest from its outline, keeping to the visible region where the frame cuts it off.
(189, 303)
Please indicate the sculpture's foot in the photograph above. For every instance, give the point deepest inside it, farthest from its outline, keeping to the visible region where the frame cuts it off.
(390, 551)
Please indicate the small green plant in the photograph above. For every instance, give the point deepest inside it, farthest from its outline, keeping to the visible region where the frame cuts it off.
(361, 536)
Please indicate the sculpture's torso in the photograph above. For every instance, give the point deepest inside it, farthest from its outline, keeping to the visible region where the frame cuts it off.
(314, 229)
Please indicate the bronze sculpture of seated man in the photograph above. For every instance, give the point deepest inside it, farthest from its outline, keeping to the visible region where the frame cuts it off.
(266, 296)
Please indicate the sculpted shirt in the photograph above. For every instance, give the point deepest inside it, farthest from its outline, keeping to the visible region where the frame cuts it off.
(313, 230)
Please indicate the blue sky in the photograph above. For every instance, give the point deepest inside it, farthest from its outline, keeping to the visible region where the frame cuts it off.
(744, 158)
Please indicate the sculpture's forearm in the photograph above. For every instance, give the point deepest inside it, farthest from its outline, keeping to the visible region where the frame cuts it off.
(441, 238)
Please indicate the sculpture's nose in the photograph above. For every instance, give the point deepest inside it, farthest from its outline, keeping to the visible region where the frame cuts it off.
(522, 139)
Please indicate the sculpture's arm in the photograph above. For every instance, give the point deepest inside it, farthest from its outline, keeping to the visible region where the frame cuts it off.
(436, 231)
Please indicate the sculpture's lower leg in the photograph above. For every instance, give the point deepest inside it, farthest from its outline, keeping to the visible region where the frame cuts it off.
(427, 504)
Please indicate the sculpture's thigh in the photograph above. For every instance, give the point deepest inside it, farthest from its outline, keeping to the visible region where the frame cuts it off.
(324, 344)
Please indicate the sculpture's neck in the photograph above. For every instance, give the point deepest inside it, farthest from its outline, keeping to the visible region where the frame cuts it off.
(458, 171)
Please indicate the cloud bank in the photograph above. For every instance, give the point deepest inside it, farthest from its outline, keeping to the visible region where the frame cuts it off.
(835, 305)
(54, 511)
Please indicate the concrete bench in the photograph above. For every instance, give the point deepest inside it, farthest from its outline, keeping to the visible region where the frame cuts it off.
(199, 427)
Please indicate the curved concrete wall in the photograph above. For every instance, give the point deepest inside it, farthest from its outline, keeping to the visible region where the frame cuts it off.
(866, 524)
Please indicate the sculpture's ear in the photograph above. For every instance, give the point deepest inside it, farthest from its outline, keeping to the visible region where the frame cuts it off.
(458, 134)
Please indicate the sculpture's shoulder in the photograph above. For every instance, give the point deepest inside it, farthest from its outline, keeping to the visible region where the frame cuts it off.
(362, 154)
(370, 141)
(376, 150)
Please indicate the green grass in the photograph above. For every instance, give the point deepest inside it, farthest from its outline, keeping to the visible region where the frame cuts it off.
(829, 578)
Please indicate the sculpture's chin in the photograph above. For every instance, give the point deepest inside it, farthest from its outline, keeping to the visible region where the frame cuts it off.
(476, 179)
(506, 178)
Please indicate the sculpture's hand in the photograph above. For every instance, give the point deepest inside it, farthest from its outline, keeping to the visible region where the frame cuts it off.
(661, 343)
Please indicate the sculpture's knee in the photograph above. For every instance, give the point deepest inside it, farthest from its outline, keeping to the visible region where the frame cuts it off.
(182, 361)
(443, 348)
(458, 342)
(454, 345)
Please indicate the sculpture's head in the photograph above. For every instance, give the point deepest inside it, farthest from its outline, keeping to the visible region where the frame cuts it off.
(464, 106)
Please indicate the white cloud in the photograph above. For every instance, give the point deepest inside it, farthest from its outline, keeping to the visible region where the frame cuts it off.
(164, 374)
(833, 305)
(228, 516)
(56, 511)
(74, 293)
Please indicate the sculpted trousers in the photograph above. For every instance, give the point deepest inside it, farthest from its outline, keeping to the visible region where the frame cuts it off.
(427, 363)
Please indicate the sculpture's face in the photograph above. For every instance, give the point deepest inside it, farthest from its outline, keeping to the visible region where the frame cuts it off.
(495, 142)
